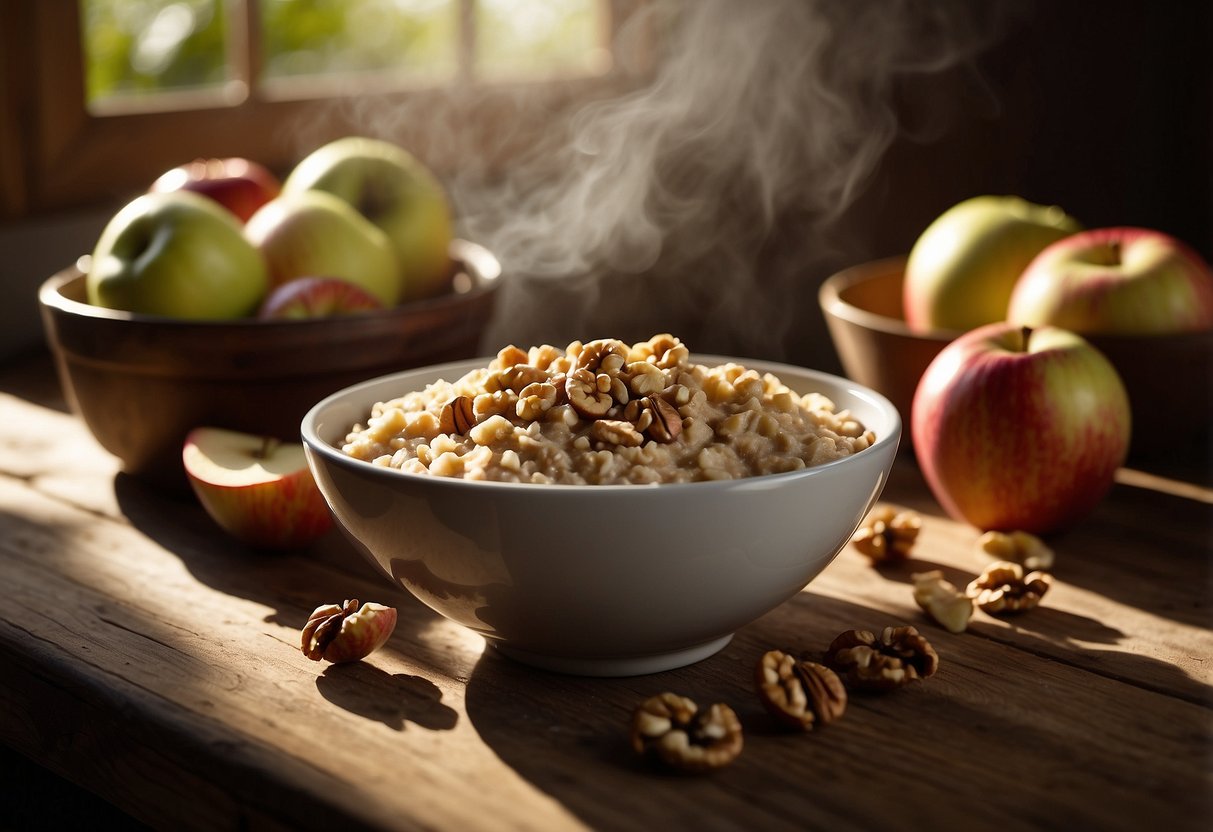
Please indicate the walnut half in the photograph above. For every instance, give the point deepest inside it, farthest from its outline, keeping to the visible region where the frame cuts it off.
(800, 694)
(346, 632)
(867, 662)
(680, 734)
(1003, 588)
(1023, 548)
(887, 534)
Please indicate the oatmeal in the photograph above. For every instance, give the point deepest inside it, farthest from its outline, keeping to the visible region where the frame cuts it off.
(604, 412)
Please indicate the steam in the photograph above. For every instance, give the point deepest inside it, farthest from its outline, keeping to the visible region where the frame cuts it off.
(705, 201)
(760, 117)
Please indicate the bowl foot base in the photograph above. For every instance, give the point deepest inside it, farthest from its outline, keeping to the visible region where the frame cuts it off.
(627, 666)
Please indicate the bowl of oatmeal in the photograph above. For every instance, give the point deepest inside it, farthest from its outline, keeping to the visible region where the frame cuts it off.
(602, 508)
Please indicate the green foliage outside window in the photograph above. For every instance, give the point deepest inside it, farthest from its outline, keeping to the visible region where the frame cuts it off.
(135, 47)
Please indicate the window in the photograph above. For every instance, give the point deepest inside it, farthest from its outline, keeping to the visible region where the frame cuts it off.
(99, 96)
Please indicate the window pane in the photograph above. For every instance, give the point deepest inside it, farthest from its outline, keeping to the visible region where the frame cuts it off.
(548, 37)
(327, 37)
(142, 47)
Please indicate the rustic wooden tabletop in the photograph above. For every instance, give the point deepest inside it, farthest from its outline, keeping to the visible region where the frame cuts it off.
(147, 658)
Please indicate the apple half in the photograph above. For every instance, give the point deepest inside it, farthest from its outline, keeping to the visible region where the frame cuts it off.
(257, 488)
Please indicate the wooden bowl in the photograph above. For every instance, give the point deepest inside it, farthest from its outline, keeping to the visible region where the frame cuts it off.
(1169, 378)
(142, 382)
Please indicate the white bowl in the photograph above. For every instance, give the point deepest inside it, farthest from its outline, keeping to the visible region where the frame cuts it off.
(601, 580)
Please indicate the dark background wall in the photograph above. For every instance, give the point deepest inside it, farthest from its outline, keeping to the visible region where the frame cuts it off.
(1104, 108)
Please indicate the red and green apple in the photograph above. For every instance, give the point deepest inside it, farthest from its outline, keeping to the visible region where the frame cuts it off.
(1116, 281)
(1020, 429)
(311, 233)
(962, 268)
(257, 488)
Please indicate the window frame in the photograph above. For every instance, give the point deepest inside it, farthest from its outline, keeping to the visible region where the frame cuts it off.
(57, 155)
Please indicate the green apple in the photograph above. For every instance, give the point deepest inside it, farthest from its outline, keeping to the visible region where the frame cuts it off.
(395, 192)
(179, 255)
(1116, 281)
(258, 489)
(313, 233)
(963, 268)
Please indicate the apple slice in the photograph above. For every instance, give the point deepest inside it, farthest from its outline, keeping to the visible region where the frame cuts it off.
(259, 489)
(316, 297)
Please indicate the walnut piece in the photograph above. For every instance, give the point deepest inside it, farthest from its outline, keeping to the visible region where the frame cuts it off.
(458, 416)
(867, 662)
(942, 601)
(666, 424)
(1023, 548)
(348, 632)
(887, 534)
(654, 416)
(800, 694)
(665, 351)
(1004, 589)
(616, 432)
(677, 732)
(536, 399)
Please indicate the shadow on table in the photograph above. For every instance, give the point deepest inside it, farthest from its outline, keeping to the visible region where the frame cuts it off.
(391, 698)
(291, 583)
(569, 736)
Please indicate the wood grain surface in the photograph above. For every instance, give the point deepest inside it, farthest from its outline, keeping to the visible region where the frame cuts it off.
(149, 659)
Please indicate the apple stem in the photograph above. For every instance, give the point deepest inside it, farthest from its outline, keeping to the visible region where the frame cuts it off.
(1115, 247)
(268, 444)
(1027, 334)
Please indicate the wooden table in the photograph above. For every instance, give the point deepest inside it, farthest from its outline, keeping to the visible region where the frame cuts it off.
(149, 659)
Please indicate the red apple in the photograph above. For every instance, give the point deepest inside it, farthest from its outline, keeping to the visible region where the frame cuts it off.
(1116, 281)
(317, 297)
(257, 488)
(237, 184)
(1019, 429)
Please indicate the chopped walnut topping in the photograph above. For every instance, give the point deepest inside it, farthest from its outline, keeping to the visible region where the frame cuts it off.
(676, 731)
(887, 534)
(1023, 548)
(1003, 588)
(865, 661)
(799, 693)
(942, 601)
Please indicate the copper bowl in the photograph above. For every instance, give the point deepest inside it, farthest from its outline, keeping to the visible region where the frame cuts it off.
(142, 382)
(1169, 378)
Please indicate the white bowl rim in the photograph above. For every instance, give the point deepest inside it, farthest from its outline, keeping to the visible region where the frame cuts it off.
(308, 430)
